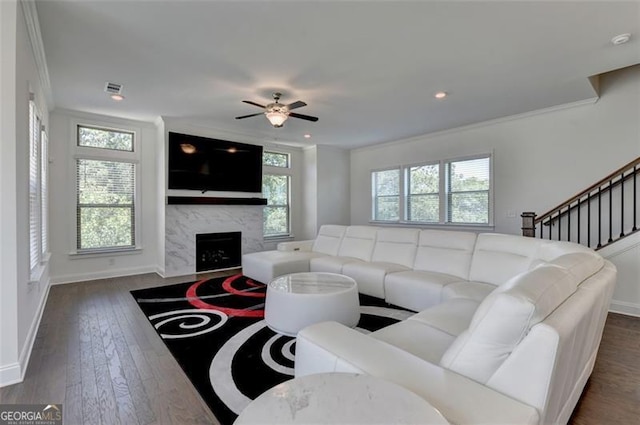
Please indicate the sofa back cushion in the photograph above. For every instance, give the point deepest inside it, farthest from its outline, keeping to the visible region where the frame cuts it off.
(328, 239)
(505, 317)
(358, 242)
(396, 246)
(497, 257)
(444, 251)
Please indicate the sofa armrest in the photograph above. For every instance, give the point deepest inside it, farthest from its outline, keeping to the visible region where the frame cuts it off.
(296, 245)
(332, 347)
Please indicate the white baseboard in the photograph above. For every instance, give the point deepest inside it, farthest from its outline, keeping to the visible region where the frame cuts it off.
(10, 374)
(623, 307)
(80, 277)
(14, 373)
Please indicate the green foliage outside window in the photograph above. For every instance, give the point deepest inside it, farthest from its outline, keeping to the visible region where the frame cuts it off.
(105, 139)
(105, 192)
(275, 159)
(276, 213)
(386, 195)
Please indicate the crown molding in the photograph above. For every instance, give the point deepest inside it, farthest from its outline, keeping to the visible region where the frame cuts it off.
(35, 38)
(426, 136)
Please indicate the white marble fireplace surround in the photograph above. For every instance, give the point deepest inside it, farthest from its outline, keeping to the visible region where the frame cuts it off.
(183, 222)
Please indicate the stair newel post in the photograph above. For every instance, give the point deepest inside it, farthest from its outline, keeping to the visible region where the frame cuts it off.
(528, 224)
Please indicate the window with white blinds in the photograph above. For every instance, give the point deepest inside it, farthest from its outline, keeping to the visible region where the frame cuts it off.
(105, 190)
(34, 189)
(44, 193)
(454, 191)
(468, 185)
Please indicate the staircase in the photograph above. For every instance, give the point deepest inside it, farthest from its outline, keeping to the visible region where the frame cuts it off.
(598, 216)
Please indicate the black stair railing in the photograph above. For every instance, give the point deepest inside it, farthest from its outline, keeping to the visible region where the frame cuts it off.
(605, 212)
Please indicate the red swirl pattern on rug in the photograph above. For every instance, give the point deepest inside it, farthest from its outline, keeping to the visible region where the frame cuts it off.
(195, 301)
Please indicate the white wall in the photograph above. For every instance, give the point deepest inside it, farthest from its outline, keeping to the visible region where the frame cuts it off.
(539, 160)
(21, 300)
(333, 190)
(326, 188)
(66, 267)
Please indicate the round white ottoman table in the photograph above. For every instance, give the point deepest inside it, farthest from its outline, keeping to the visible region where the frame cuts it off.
(295, 301)
(339, 398)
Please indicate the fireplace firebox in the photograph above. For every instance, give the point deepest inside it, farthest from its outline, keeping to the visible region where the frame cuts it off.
(215, 251)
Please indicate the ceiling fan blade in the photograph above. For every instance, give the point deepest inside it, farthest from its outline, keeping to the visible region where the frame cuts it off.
(303, 117)
(298, 104)
(250, 115)
(253, 103)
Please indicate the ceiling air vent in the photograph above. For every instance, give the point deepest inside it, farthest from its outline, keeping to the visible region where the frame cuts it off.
(113, 88)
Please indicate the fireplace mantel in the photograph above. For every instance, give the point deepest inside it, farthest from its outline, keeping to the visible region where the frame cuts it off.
(208, 200)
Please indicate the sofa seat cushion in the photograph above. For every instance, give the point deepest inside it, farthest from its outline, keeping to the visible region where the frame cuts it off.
(417, 338)
(370, 276)
(267, 265)
(452, 317)
(477, 291)
(330, 264)
(416, 290)
(505, 317)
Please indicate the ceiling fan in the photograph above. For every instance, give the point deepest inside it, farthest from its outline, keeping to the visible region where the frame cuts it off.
(277, 113)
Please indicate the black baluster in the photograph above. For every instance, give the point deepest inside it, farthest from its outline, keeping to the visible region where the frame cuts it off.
(599, 216)
(559, 223)
(634, 199)
(550, 225)
(579, 199)
(622, 205)
(569, 222)
(589, 219)
(610, 213)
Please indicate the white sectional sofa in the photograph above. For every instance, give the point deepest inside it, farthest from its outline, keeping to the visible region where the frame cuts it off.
(506, 331)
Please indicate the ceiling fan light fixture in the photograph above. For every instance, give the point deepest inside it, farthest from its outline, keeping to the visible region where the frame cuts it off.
(276, 118)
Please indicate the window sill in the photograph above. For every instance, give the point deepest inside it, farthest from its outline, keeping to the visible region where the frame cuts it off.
(37, 272)
(279, 238)
(77, 255)
(456, 226)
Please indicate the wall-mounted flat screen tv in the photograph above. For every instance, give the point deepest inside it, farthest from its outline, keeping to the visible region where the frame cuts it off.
(204, 164)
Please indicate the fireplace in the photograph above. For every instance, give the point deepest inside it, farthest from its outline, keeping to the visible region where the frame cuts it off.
(215, 251)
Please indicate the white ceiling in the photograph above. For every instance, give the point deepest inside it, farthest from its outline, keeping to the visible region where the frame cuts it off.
(368, 70)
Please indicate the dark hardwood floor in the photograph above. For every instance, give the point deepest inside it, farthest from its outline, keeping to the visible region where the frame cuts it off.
(96, 353)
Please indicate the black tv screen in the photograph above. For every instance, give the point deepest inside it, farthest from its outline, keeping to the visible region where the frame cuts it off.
(204, 164)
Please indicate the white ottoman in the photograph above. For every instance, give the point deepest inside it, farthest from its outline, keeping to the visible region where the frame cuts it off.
(266, 265)
(297, 300)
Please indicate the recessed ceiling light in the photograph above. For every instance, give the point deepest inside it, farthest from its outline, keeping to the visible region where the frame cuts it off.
(307, 136)
(440, 95)
(117, 97)
(620, 39)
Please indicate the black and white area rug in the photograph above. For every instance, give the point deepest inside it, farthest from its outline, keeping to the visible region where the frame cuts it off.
(215, 330)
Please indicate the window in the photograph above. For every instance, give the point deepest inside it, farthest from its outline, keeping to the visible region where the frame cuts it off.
(105, 189)
(276, 182)
(35, 218)
(38, 192)
(423, 193)
(386, 195)
(468, 186)
(444, 192)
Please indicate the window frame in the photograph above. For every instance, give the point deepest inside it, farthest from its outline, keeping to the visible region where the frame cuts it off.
(104, 154)
(375, 196)
(279, 171)
(443, 194)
